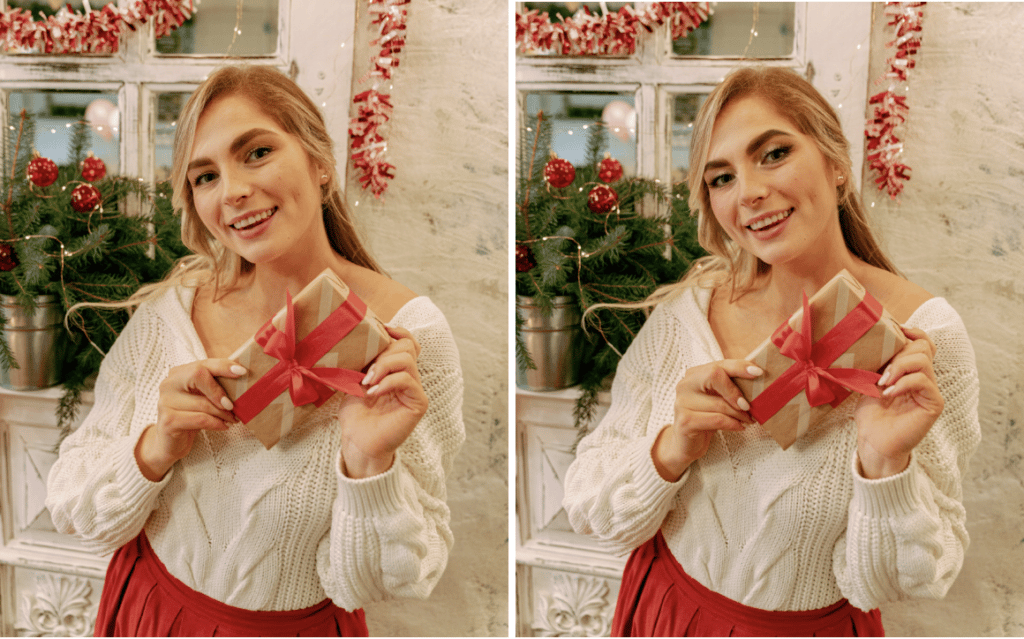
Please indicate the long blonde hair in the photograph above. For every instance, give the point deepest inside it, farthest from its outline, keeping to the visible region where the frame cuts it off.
(792, 95)
(285, 102)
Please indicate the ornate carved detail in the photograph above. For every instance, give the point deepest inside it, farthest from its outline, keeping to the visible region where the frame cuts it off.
(61, 606)
(576, 607)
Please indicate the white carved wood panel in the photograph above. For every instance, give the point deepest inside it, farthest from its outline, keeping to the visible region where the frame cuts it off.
(566, 583)
(49, 584)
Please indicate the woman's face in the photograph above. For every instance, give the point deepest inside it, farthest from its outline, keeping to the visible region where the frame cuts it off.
(770, 187)
(253, 185)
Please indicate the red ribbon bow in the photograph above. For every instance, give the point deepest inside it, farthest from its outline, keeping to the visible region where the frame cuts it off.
(294, 371)
(810, 371)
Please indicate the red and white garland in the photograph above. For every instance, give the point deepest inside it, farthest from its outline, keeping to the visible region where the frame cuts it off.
(610, 34)
(889, 110)
(373, 108)
(92, 32)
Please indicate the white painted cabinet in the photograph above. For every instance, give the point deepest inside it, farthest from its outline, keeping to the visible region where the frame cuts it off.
(566, 584)
(49, 584)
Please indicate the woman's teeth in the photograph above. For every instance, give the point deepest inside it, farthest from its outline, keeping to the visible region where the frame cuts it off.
(249, 221)
(768, 221)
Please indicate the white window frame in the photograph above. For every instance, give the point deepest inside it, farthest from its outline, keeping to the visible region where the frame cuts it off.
(136, 72)
(831, 44)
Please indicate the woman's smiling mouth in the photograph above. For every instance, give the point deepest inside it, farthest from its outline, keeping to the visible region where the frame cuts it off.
(771, 220)
(253, 220)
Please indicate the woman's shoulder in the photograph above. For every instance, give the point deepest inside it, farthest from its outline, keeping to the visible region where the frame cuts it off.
(901, 297)
(381, 293)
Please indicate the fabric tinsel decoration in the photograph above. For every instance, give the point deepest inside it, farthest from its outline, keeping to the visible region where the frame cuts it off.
(888, 110)
(611, 34)
(96, 31)
(373, 108)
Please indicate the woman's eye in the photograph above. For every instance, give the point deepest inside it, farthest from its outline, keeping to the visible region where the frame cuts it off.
(719, 180)
(202, 178)
(776, 154)
(259, 152)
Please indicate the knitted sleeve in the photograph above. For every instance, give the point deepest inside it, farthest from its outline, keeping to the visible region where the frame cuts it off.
(390, 534)
(906, 534)
(95, 490)
(612, 489)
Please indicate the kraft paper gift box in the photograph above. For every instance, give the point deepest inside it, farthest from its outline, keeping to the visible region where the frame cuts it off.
(299, 359)
(851, 338)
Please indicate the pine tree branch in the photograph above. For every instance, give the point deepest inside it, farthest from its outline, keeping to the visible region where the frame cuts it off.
(526, 197)
(14, 175)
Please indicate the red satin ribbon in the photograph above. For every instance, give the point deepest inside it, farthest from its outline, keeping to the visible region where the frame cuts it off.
(293, 372)
(810, 372)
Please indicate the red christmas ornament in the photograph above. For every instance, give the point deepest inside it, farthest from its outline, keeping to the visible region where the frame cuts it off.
(524, 258)
(602, 199)
(93, 168)
(42, 171)
(559, 173)
(8, 258)
(85, 197)
(609, 169)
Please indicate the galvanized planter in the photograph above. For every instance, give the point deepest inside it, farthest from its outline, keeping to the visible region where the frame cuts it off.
(34, 339)
(554, 343)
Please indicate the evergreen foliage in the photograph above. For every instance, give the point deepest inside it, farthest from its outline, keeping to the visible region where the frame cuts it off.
(100, 256)
(622, 256)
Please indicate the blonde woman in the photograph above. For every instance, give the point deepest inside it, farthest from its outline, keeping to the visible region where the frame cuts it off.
(211, 533)
(730, 534)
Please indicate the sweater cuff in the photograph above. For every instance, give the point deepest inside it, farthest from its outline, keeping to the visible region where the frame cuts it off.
(650, 486)
(370, 496)
(887, 497)
(135, 487)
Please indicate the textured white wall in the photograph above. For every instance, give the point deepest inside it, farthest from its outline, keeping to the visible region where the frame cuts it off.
(442, 230)
(957, 231)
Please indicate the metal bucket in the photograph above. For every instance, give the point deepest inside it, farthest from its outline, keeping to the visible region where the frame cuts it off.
(33, 338)
(553, 342)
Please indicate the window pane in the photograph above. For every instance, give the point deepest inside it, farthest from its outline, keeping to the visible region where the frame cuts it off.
(167, 108)
(55, 113)
(556, 11)
(225, 27)
(684, 111)
(748, 29)
(572, 116)
(50, 8)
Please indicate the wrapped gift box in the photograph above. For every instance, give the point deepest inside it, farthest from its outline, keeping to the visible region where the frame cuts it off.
(851, 338)
(318, 344)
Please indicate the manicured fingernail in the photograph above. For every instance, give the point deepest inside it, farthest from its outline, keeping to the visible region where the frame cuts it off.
(884, 378)
(226, 403)
(743, 404)
(238, 369)
(754, 370)
(372, 389)
(889, 391)
(368, 378)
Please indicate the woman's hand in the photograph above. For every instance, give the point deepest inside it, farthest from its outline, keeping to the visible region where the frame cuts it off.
(890, 426)
(707, 400)
(373, 427)
(190, 400)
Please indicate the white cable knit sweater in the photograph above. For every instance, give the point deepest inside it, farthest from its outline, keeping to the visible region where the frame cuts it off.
(794, 529)
(259, 529)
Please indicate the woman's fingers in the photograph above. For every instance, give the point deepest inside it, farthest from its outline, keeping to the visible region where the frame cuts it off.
(403, 335)
(716, 381)
(194, 391)
(400, 355)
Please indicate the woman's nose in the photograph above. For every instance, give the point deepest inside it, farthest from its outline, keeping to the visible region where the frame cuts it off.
(235, 186)
(753, 188)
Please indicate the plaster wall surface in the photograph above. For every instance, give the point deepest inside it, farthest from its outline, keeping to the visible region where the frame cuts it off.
(442, 230)
(957, 230)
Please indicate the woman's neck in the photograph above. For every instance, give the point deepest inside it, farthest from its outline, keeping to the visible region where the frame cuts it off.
(265, 286)
(781, 288)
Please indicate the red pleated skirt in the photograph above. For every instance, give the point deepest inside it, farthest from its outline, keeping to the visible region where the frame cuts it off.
(658, 599)
(141, 599)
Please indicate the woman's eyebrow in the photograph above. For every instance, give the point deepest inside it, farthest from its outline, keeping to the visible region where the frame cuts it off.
(239, 142)
(754, 145)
